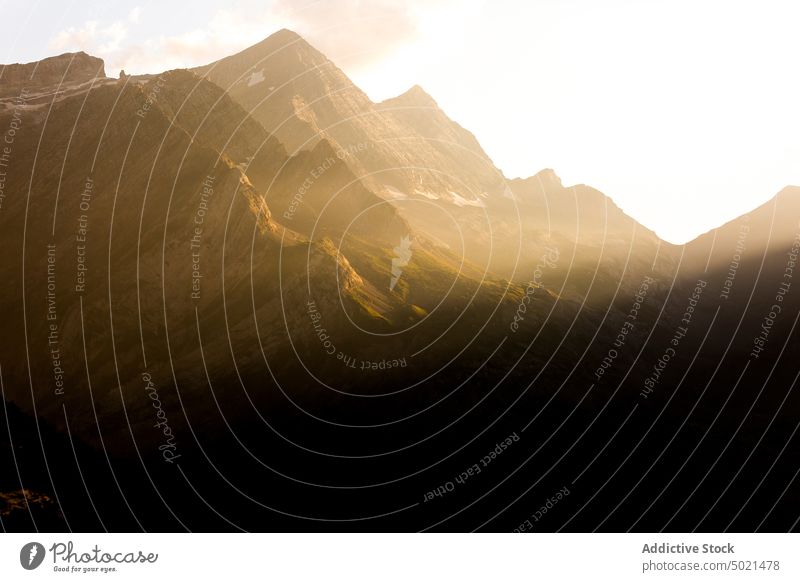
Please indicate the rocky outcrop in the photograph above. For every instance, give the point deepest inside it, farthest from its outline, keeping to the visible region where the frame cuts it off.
(65, 69)
(301, 97)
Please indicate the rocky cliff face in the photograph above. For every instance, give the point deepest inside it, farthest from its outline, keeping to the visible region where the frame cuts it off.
(179, 287)
(301, 97)
(410, 153)
(66, 69)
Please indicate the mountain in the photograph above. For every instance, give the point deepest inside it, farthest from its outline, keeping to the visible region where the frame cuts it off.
(245, 296)
(126, 201)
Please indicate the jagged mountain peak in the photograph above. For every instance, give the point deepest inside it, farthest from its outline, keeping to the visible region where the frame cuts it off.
(548, 178)
(280, 41)
(285, 36)
(280, 48)
(74, 58)
(416, 95)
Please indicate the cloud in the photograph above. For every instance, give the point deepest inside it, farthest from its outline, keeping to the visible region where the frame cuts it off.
(360, 31)
(356, 32)
(91, 37)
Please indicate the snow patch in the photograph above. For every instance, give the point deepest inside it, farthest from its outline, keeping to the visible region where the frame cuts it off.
(255, 78)
(394, 193)
(426, 194)
(461, 201)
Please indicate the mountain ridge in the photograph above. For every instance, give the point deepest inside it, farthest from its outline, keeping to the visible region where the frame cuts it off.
(79, 66)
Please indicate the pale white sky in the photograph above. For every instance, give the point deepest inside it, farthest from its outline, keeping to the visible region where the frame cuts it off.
(685, 113)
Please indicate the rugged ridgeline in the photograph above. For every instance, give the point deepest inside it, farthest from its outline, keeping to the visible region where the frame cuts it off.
(301, 97)
(247, 296)
(414, 157)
